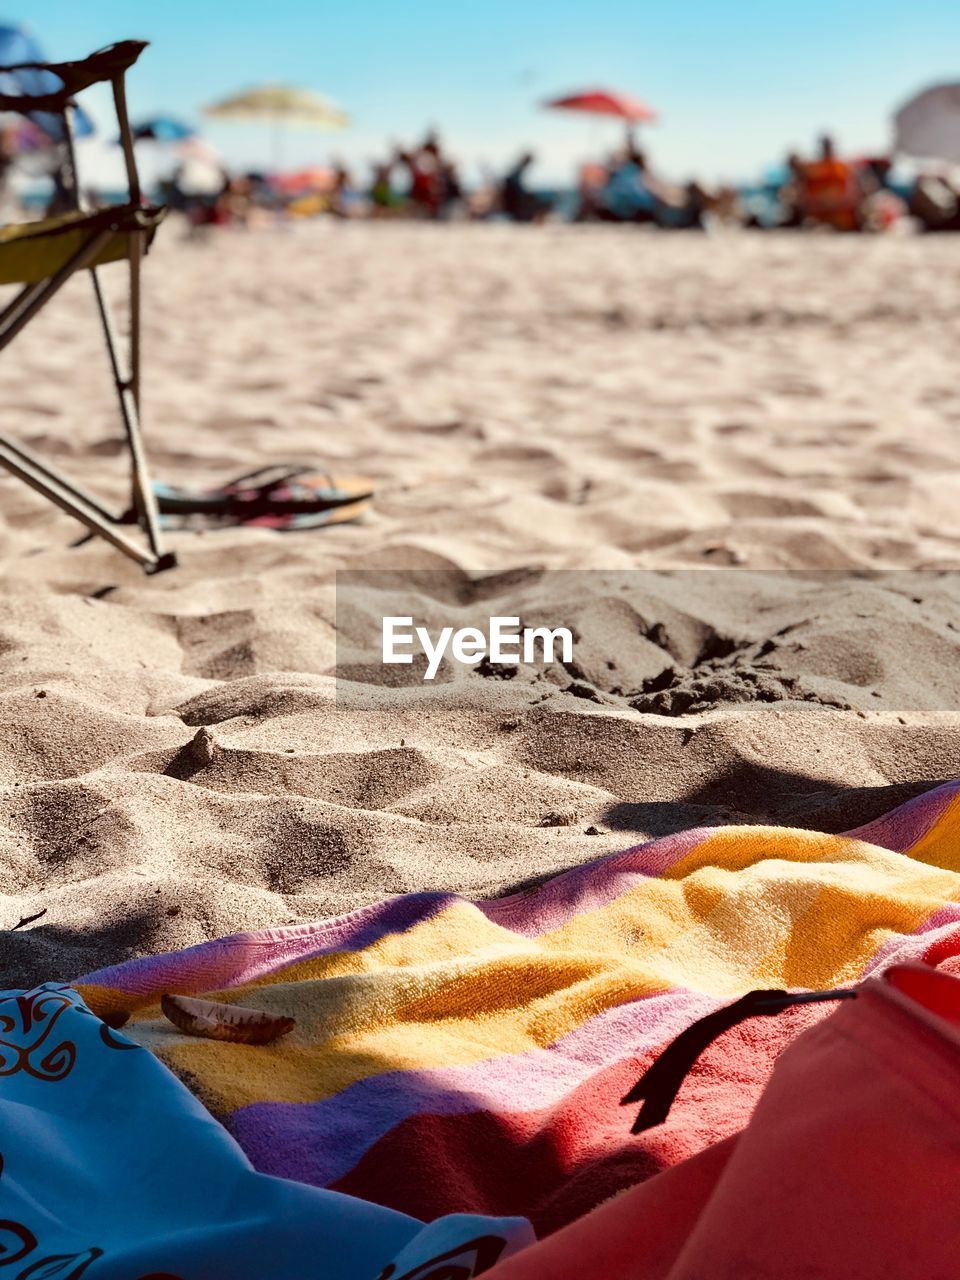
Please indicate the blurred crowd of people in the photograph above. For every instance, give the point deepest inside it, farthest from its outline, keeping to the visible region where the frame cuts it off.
(424, 181)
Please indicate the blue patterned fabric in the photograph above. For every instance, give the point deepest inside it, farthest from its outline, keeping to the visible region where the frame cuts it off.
(111, 1170)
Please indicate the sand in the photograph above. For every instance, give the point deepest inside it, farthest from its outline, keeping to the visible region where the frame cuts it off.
(174, 762)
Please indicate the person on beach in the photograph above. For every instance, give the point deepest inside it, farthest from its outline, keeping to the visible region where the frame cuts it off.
(452, 195)
(828, 192)
(788, 194)
(591, 180)
(517, 201)
(424, 165)
(881, 206)
(631, 193)
(383, 198)
(341, 191)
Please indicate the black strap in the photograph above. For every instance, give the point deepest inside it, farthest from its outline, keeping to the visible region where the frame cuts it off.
(274, 476)
(659, 1085)
(241, 504)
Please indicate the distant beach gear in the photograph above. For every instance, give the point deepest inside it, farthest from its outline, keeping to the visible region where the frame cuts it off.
(927, 127)
(314, 178)
(280, 102)
(163, 129)
(605, 102)
(281, 105)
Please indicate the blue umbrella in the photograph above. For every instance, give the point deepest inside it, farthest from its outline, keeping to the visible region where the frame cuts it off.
(16, 47)
(163, 129)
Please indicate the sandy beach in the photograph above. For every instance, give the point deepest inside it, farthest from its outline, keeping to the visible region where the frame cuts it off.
(174, 763)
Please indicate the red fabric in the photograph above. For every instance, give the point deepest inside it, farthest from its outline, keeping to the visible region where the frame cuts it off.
(556, 1164)
(847, 1167)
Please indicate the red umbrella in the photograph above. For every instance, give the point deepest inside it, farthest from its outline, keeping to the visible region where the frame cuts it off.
(603, 102)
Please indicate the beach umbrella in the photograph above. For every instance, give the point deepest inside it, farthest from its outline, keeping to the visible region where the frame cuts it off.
(604, 102)
(162, 129)
(928, 126)
(280, 105)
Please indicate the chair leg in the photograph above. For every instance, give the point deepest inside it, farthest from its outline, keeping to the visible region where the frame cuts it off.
(77, 504)
(127, 387)
(11, 451)
(144, 496)
(23, 299)
(128, 391)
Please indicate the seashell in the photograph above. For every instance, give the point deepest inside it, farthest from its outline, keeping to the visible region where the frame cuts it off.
(229, 1022)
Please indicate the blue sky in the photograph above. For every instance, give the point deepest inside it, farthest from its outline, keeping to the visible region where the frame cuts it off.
(737, 82)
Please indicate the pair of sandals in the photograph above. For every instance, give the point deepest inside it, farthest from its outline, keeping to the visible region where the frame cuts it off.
(284, 496)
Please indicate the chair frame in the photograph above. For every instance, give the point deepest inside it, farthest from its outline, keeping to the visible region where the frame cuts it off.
(111, 65)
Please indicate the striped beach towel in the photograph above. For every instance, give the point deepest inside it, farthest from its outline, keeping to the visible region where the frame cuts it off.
(454, 1056)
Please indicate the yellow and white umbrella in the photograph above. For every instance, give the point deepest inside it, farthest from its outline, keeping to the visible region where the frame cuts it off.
(280, 105)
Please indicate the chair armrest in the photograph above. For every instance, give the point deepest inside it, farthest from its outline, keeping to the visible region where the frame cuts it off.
(106, 64)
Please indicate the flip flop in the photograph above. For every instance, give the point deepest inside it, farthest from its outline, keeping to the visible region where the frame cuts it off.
(283, 496)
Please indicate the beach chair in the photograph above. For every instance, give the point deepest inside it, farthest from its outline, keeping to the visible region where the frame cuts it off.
(42, 256)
